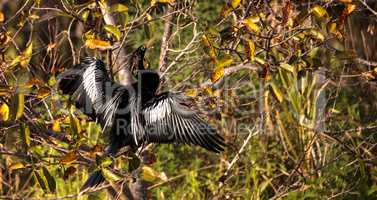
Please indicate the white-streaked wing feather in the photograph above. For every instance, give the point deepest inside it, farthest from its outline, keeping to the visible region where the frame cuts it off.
(168, 120)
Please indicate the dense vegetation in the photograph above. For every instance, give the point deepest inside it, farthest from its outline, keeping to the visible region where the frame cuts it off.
(291, 85)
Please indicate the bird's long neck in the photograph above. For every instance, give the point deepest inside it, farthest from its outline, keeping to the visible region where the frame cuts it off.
(148, 83)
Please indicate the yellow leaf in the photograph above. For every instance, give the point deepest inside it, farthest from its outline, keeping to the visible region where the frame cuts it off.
(2, 17)
(192, 92)
(56, 126)
(235, 3)
(118, 7)
(15, 166)
(97, 44)
(277, 92)
(150, 175)
(15, 61)
(18, 104)
(251, 24)
(212, 51)
(316, 34)
(109, 175)
(217, 74)
(332, 27)
(226, 61)
(26, 55)
(250, 50)
(319, 11)
(68, 158)
(4, 112)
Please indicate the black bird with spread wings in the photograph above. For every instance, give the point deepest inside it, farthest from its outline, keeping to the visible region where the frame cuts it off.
(134, 115)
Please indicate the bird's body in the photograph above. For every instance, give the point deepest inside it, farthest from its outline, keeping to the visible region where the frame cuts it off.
(134, 115)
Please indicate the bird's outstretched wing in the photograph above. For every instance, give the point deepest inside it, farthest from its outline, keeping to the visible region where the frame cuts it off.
(167, 119)
(92, 90)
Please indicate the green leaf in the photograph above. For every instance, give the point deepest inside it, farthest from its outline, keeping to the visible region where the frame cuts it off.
(40, 180)
(75, 124)
(25, 134)
(51, 183)
(118, 7)
(277, 93)
(114, 31)
(287, 67)
(109, 175)
(335, 44)
(17, 107)
(103, 161)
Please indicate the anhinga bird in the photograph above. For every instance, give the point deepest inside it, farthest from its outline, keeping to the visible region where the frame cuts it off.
(134, 115)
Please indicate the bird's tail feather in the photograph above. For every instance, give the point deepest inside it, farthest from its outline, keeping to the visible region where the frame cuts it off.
(94, 180)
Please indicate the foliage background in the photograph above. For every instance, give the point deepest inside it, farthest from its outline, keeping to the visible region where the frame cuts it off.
(290, 84)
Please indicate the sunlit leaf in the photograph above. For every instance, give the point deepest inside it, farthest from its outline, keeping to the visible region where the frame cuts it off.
(208, 43)
(114, 31)
(150, 175)
(317, 34)
(191, 92)
(97, 44)
(4, 112)
(56, 126)
(109, 175)
(235, 3)
(103, 161)
(287, 67)
(319, 11)
(225, 61)
(118, 7)
(250, 23)
(69, 158)
(15, 166)
(25, 134)
(26, 55)
(75, 124)
(17, 105)
(217, 74)
(276, 91)
(51, 183)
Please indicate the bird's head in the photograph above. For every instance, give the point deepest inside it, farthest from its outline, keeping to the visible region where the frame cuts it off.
(137, 59)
